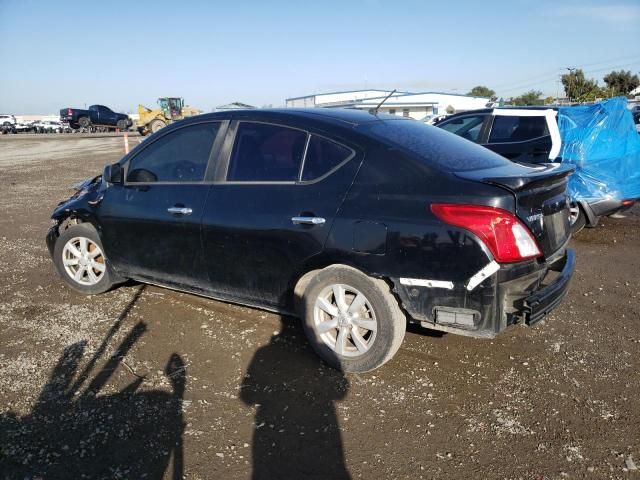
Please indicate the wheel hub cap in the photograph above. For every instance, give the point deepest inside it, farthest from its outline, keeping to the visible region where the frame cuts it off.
(344, 321)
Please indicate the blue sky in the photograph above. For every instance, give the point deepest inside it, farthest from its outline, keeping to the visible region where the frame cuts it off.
(63, 53)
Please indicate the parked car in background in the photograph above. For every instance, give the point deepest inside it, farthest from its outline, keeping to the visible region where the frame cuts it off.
(95, 115)
(47, 126)
(7, 120)
(433, 119)
(346, 219)
(24, 127)
(7, 123)
(527, 135)
(636, 120)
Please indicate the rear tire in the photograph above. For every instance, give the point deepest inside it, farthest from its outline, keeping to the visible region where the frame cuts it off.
(80, 260)
(352, 321)
(84, 122)
(577, 217)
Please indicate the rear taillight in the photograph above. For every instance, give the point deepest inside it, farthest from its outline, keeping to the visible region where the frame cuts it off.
(628, 203)
(501, 231)
(69, 112)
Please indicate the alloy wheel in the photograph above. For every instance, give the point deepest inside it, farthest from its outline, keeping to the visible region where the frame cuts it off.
(344, 320)
(83, 261)
(574, 213)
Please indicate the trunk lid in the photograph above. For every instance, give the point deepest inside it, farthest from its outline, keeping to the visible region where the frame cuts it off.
(542, 203)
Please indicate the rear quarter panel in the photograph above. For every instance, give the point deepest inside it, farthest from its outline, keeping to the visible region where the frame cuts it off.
(394, 191)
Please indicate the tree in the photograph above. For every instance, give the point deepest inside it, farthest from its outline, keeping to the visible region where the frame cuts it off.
(532, 97)
(481, 91)
(621, 83)
(578, 88)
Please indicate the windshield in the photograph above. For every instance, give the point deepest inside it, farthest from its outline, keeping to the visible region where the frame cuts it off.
(437, 147)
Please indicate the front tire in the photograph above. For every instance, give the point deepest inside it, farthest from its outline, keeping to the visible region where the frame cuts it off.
(80, 260)
(156, 125)
(352, 321)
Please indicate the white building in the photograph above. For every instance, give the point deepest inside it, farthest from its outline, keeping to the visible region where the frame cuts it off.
(414, 105)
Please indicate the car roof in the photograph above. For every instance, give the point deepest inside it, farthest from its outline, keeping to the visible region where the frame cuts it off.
(348, 116)
(490, 110)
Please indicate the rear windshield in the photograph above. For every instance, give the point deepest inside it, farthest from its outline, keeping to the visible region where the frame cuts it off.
(439, 148)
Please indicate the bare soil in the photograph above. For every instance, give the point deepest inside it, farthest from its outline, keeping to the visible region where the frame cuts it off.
(144, 382)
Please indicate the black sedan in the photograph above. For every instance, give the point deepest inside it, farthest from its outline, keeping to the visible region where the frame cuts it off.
(356, 223)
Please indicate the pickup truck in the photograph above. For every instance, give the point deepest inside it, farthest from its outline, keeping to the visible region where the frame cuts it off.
(96, 115)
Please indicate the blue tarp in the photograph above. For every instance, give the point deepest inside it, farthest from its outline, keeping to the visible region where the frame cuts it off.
(602, 142)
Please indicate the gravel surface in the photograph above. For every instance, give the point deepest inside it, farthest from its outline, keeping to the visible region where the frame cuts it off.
(144, 382)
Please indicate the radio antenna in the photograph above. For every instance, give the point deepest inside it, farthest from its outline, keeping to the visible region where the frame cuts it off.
(375, 110)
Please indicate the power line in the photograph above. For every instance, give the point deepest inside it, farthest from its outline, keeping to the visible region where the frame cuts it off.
(536, 80)
(553, 77)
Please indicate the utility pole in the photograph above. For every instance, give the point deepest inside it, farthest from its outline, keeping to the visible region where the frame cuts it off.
(571, 70)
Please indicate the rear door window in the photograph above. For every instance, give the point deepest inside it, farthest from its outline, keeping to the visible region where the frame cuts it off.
(323, 156)
(517, 129)
(266, 153)
(468, 127)
(179, 156)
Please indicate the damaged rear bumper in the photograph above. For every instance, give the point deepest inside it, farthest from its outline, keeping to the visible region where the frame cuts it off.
(542, 301)
(512, 293)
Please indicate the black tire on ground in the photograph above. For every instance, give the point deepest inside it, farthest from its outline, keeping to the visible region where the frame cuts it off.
(156, 125)
(142, 131)
(579, 222)
(122, 125)
(84, 122)
(390, 320)
(87, 231)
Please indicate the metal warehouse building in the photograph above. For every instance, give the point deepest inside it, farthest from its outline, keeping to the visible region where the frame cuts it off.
(407, 104)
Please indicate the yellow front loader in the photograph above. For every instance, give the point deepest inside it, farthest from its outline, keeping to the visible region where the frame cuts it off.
(171, 109)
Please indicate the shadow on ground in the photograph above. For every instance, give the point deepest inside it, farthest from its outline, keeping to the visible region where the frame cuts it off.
(296, 432)
(76, 431)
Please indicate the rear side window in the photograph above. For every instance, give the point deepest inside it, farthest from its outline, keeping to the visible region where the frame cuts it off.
(266, 153)
(434, 146)
(466, 127)
(517, 129)
(323, 156)
(180, 156)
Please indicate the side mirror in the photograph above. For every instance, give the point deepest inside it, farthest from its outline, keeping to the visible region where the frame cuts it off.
(113, 174)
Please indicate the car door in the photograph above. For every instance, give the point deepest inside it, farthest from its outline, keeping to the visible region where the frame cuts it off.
(109, 117)
(520, 138)
(151, 222)
(269, 215)
(104, 115)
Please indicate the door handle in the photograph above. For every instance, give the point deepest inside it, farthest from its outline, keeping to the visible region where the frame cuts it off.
(180, 210)
(308, 220)
(97, 200)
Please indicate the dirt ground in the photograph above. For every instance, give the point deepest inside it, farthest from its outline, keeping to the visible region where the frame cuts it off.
(144, 382)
